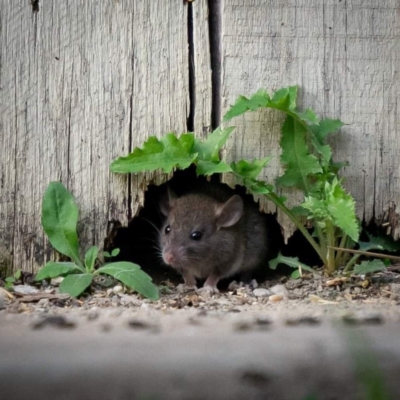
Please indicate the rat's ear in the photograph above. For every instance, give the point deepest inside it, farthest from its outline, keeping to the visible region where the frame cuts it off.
(230, 212)
(165, 201)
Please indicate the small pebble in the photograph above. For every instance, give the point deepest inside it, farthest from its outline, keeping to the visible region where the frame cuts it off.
(57, 321)
(307, 320)
(92, 315)
(242, 326)
(25, 289)
(261, 292)
(395, 288)
(43, 302)
(118, 289)
(137, 324)
(232, 286)
(275, 297)
(254, 284)
(363, 319)
(263, 321)
(56, 281)
(280, 290)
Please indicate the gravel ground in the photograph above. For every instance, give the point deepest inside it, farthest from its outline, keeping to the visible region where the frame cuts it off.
(296, 339)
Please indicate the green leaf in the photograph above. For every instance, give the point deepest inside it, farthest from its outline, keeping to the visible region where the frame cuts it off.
(208, 150)
(342, 207)
(10, 279)
(115, 252)
(131, 275)
(165, 154)
(379, 243)
(106, 254)
(250, 169)
(75, 284)
(243, 104)
(369, 267)
(208, 168)
(295, 274)
(324, 128)
(284, 99)
(54, 269)
(289, 261)
(258, 187)
(300, 211)
(298, 161)
(59, 220)
(18, 274)
(90, 258)
(336, 166)
(308, 116)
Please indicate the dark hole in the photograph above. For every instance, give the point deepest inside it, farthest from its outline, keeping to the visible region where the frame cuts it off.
(138, 242)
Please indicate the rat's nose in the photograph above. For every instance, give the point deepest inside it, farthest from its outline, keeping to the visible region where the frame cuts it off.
(169, 257)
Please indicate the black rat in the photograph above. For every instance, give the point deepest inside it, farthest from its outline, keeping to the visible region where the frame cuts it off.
(212, 233)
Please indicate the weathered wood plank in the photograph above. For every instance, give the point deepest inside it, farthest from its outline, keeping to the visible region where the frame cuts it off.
(202, 68)
(344, 55)
(83, 82)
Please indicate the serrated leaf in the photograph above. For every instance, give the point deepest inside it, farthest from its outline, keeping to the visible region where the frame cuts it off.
(75, 284)
(379, 243)
(115, 252)
(317, 208)
(131, 275)
(325, 151)
(90, 258)
(59, 220)
(336, 166)
(299, 163)
(165, 154)
(289, 261)
(54, 269)
(284, 99)
(308, 116)
(369, 267)
(208, 168)
(250, 169)
(258, 100)
(300, 211)
(208, 149)
(324, 128)
(258, 187)
(342, 207)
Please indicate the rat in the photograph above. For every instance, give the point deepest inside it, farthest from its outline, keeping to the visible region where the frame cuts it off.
(212, 233)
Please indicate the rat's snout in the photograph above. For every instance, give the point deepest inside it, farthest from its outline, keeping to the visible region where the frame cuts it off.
(169, 257)
(173, 255)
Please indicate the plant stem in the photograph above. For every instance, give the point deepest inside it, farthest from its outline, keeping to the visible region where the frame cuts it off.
(340, 253)
(330, 231)
(352, 261)
(274, 198)
(321, 238)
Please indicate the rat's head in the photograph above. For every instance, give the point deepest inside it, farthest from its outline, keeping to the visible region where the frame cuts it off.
(198, 229)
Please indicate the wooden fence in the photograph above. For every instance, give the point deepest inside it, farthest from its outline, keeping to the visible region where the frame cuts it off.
(82, 82)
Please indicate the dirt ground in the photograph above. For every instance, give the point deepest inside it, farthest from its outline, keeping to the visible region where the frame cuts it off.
(311, 338)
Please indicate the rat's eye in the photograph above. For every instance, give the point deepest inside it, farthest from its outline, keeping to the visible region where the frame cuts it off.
(167, 229)
(195, 235)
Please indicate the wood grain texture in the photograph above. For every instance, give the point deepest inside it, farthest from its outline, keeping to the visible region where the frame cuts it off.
(82, 83)
(202, 68)
(345, 57)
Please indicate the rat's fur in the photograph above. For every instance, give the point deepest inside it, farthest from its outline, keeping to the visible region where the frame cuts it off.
(233, 234)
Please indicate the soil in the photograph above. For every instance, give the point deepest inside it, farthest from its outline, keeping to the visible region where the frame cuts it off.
(309, 309)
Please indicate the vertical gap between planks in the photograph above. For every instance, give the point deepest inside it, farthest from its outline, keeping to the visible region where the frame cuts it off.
(192, 79)
(215, 33)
